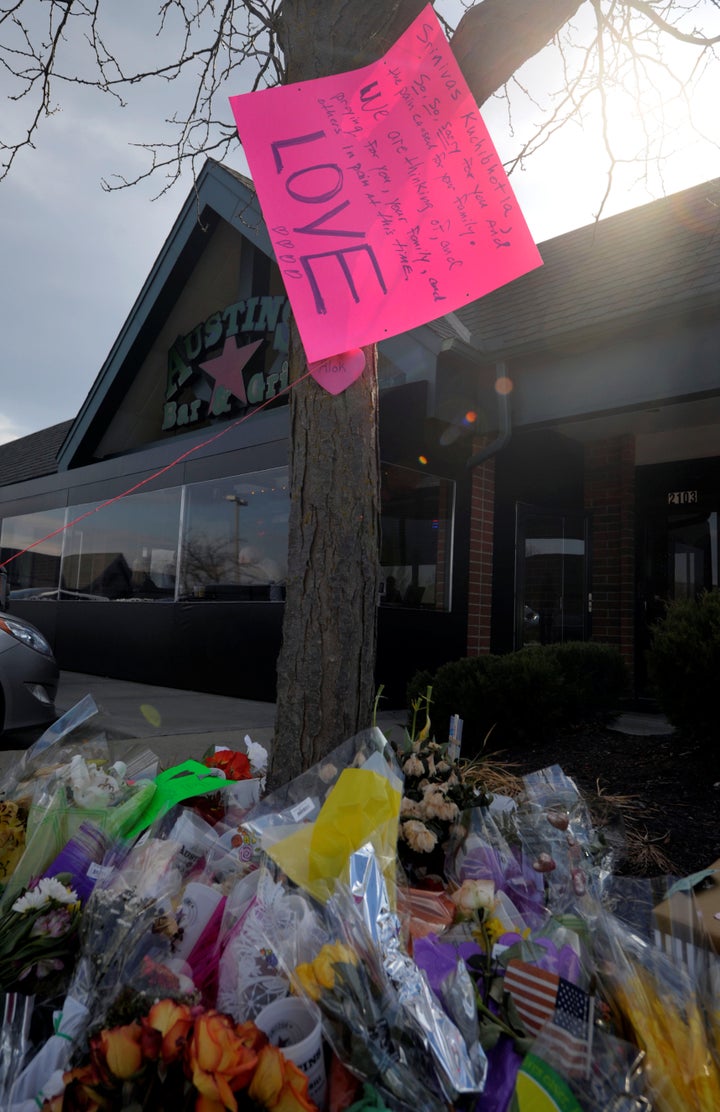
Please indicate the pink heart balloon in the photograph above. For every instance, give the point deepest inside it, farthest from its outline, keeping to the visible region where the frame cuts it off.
(338, 372)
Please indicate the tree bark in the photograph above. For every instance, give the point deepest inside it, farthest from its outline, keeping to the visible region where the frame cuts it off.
(327, 660)
(495, 37)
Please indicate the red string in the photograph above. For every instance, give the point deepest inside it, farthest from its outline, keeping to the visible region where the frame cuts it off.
(157, 474)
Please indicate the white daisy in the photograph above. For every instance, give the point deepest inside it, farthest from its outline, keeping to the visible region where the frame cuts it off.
(48, 889)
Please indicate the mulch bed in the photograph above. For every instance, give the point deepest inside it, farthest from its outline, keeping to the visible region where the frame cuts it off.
(666, 789)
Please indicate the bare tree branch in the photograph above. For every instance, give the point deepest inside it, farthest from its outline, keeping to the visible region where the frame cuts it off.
(211, 49)
(665, 25)
(494, 38)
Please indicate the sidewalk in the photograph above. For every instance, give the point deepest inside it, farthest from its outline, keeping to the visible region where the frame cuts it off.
(177, 725)
(174, 724)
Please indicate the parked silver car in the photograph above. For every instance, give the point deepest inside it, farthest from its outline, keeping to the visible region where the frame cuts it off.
(28, 673)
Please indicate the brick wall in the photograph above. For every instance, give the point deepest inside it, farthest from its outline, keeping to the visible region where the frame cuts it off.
(481, 558)
(610, 496)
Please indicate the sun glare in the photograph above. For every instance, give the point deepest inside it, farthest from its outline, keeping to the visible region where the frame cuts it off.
(650, 128)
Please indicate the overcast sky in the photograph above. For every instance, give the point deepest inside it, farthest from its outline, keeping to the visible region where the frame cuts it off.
(74, 257)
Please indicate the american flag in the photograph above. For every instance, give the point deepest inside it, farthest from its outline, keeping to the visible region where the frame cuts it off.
(556, 1011)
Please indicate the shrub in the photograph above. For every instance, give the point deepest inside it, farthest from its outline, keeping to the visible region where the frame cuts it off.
(595, 679)
(523, 696)
(513, 698)
(683, 663)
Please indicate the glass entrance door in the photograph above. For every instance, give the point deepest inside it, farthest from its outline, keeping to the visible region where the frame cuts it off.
(680, 560)
(551, 590)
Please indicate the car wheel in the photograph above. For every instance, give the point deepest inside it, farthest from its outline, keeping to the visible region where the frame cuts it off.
(2, 712)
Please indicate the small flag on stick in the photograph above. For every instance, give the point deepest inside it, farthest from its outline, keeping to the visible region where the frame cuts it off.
(557, 1012)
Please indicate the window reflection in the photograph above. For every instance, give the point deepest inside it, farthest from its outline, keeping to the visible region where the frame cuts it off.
(417, 511)
(34, 572)
(234, 543)
(127, 550)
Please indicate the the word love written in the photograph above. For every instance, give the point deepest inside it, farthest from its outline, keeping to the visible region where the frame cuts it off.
(384, 197)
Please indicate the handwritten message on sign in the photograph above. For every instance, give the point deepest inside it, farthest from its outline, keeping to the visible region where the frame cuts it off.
(385, 200)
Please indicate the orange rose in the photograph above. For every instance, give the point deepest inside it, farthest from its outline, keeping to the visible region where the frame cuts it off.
(219, 1061)
(204, 1104)
(173, 1021)
(251, 1036)
(278, 1085)
(118, 1051)
(80, 1092)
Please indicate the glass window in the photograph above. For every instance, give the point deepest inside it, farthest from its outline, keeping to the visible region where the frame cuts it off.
(692, 554)
(416, 549)
(235, 534)
(33, 572)
(125, 550)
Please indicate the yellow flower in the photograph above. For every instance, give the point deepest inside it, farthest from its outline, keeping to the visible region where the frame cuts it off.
(492, 929)
(324, 968)
(13, 819)
(318, 974)
(305, 974)
(341, 954)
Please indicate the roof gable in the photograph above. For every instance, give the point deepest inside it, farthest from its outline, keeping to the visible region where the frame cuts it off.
(627, 268)
(219, 194)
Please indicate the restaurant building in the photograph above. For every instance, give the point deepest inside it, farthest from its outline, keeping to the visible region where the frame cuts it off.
(550, 459)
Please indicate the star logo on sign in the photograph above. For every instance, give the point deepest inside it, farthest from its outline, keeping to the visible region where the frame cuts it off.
(226, 370)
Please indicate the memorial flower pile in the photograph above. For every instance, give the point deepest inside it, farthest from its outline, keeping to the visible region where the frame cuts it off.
(483, 960)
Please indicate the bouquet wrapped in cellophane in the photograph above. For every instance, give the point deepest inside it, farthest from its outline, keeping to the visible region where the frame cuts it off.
(657, 1006)
(67, 779)
(333, 835)
(148, 929)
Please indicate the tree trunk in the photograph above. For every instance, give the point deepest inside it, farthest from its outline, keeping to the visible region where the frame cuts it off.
(327, 660)
(326, 664)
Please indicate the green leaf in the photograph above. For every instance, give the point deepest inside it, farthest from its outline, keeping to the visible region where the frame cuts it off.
(489, 1035)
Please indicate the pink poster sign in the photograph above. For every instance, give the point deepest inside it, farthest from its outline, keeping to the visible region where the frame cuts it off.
(385, 200)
